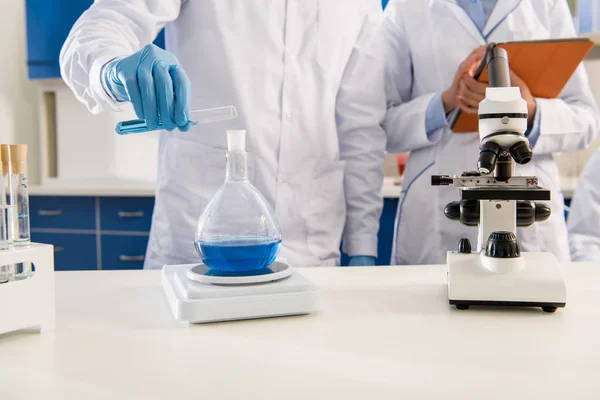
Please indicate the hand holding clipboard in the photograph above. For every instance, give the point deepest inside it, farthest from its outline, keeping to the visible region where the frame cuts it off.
(545, 65)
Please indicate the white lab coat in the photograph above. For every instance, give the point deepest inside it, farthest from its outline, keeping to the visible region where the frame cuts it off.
(426, 40)
(584, 216)
(296, 71)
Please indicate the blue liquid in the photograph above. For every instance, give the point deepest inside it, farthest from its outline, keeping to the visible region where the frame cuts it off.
(258, 272)
(139, 126)
(238, 255)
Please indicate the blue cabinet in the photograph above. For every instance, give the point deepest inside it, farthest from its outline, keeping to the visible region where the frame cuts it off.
(123, 252)
(126, 214)
(54, 212)
(93, 233)
(72, 251)
(48, 25)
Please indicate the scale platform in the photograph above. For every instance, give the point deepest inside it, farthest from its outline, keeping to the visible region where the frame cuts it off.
(196, 296)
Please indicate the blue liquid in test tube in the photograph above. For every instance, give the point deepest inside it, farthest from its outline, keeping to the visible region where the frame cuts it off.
(199, 117)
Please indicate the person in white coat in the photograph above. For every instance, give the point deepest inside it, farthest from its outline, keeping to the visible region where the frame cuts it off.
(583, 221)
(295, 70)
(432, 49)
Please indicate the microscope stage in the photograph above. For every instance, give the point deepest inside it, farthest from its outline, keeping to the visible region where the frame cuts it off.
(196, 302)
(505, 193)
(538, 283)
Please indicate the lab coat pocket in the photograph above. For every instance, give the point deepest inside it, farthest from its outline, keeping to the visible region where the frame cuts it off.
(326, 211)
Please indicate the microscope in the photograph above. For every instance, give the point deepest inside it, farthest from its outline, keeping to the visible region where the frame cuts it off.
(497, 272)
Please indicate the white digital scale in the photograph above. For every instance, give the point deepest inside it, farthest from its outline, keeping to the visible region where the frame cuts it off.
(198, 295)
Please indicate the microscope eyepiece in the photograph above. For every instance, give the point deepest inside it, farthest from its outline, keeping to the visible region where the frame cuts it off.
(488, 156)
(498, 69)
(521, 152)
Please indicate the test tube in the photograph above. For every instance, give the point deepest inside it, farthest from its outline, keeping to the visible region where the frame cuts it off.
(199, 117)
(22, 234)
(7, 272)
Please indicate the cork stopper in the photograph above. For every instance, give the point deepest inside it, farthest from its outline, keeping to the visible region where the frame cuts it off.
(5, 158)
(13, 158)
(18, 158)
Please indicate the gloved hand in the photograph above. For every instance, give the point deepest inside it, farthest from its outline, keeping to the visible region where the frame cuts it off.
(154, 82)
(361, 261)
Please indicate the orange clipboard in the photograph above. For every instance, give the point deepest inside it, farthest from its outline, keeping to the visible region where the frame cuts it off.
(545, 65)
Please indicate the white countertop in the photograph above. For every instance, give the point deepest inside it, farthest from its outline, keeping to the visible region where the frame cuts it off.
(133, 189)
(125, 189)
(390, 189)
(383, 333)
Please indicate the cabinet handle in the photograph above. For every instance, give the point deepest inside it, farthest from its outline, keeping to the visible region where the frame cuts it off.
(59, 249)
(49, 213)
(125, 258)
(131, 214)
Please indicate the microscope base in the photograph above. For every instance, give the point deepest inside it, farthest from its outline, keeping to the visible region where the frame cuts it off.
(533, 280)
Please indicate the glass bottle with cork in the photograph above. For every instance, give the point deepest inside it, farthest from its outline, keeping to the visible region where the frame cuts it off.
(22, 237)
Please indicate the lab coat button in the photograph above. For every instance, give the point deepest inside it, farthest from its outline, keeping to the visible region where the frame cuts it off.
(288, 116)
(282, 179)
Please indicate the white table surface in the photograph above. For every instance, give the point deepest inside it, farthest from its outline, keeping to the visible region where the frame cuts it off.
(383, 333)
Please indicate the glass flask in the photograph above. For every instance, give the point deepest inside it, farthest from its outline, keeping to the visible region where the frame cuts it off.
(238, 230)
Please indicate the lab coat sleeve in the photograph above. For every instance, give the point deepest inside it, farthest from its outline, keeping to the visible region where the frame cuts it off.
(360, 109)
(405, 120)
(107, 30)
(584, 218)
(570, 122)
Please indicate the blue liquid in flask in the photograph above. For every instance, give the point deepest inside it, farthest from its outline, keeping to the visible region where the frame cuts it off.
(238, 255)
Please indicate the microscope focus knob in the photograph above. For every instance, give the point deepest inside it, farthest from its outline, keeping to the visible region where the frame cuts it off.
(502, 245)
(465, 211)
(464, 246)
(542, 212)
(529, 212)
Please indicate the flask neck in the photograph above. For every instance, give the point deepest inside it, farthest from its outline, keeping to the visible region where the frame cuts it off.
(237, 166)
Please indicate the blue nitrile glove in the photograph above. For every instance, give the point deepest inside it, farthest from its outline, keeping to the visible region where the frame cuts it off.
(154, 82)
(361, 261)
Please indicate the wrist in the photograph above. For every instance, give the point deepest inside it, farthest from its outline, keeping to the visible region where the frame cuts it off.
(111, 81)
(449, 101)
(362, 261)
(531, 111)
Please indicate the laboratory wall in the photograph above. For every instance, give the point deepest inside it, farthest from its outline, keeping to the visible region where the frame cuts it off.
(19, 118)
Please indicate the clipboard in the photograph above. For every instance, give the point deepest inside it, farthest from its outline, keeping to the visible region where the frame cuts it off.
(545, 65)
